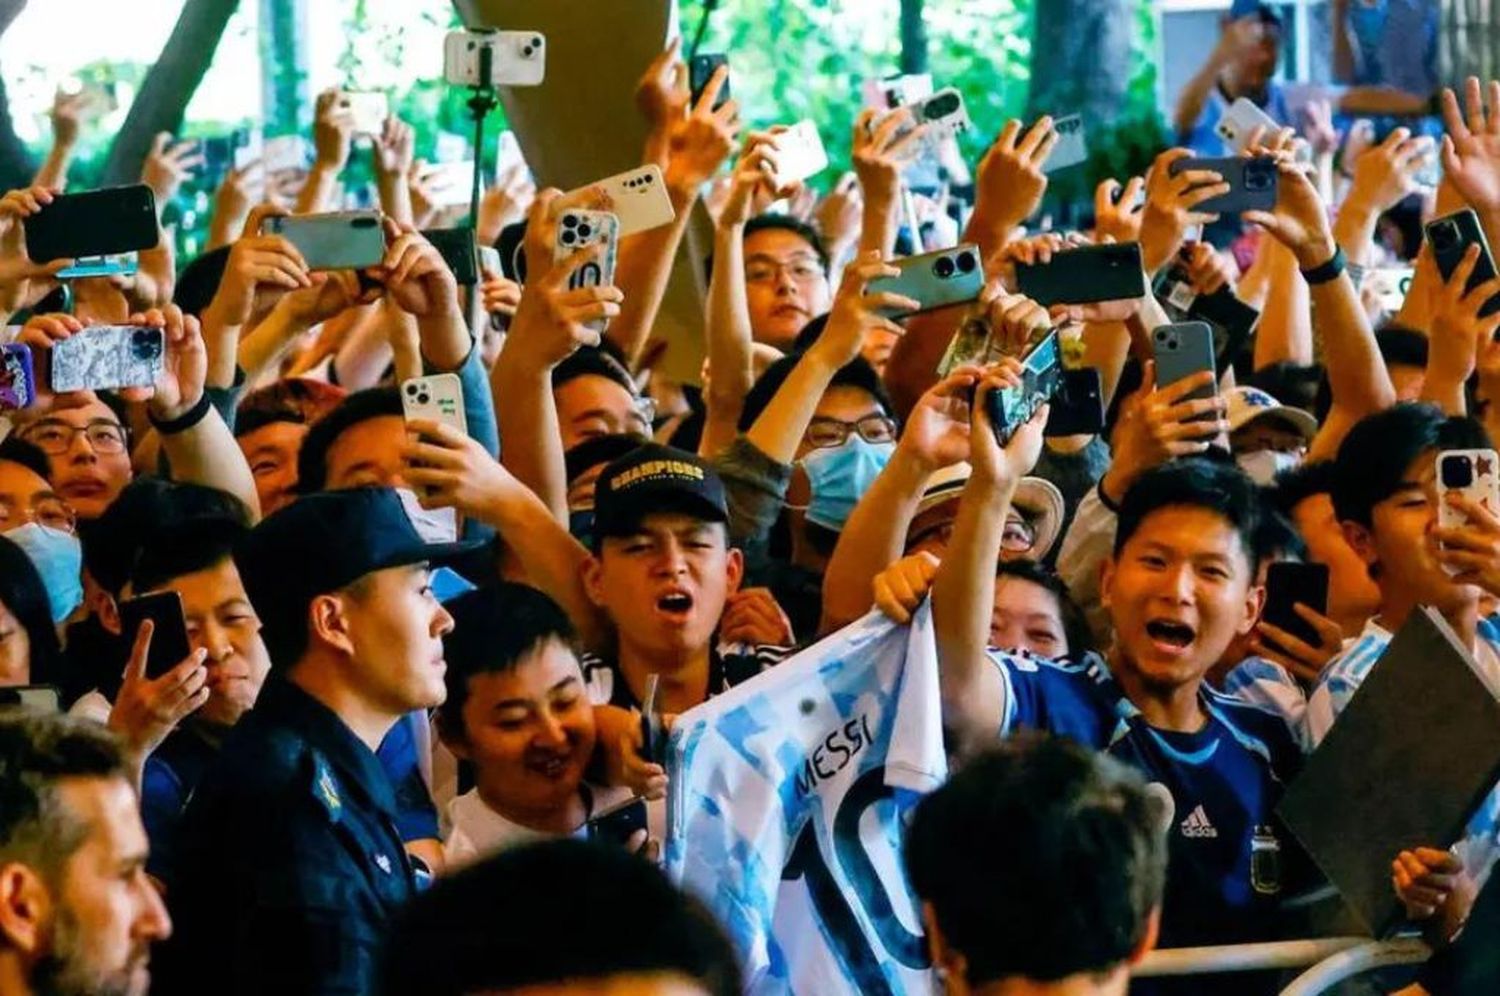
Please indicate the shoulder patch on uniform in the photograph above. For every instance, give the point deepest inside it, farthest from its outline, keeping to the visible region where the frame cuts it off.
(325, 788)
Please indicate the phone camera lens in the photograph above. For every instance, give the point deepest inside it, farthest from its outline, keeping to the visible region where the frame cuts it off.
(569, 220)
(1457, 472)
(650, 178)
(584, 231)
(1445, 235)
(146, 344)
(966, 262)
(422, 399)
(526, 52)
(567, 238)
(941, 107)
(943, 267)
(411, 389)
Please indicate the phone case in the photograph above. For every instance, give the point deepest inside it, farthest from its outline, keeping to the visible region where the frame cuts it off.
(618, 824)
(369, 111)
(577, 229)
(342, 240)
(934, 279)
(1077, 404)
(1288, 584)
(700, 70)
(93, 223)
(170, 645)
(1475, 474)
(1085, 275)
(1252, 183)
(517, 58)
(459, 252)
(638, 198)
(1041, 374)
(17, 377)
(801, 153)
(943, 112)
(1450, 237)
(1071, 148)
(1231, 319)
(439, 397)
(1389, 285)
(1240, 119)
(1182, 350)
(104, 266)
(107, 357)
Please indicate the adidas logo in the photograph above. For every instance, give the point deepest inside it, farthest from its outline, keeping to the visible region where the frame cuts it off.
(1197, 825)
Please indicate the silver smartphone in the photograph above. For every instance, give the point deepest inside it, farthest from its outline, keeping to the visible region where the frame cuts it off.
(935, 279)
(342, 240)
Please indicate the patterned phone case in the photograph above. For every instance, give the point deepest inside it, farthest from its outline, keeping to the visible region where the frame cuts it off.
(17, 377)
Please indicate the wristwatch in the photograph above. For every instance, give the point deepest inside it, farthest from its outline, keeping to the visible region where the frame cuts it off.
(1325, 272)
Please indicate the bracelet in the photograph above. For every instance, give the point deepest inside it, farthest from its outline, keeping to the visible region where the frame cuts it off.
(183, 422)
(1325, 272)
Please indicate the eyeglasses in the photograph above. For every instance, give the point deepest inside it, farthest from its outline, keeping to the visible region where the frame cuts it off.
(46, 510)
(803, 270)
(826, 433)
(1018, 536)
(646, 408)
(55, 437)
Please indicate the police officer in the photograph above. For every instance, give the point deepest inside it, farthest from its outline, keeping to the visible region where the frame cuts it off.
(290, 860)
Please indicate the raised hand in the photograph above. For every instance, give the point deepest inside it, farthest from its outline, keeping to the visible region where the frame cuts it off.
(1300, 220)
(1117, 215)
(167, 165)
(330, 295)
(148, 709)
(881, 151)
(256, 262)
(1385, 173)
(995, 464)
(1317, 126)
(1157, 425)
(1458, 331)
(936, 433)
(333, 133)
(1171, 206)
(414, 274)
(837, 216)
(1009, 182)
(1471, 147)
(449, 469)
(752, 616)
(900, 588)
(1304, 661)
(662, 95)
(698, 144)
(184, 370)
(394, 149)
(856, 309)
(67, 114)
(16, 267)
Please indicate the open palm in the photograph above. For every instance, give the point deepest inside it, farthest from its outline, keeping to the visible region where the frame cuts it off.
(1471, 149)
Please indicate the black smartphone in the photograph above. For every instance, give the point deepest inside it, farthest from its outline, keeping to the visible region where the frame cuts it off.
(42, 697)
(1287, 584)
(701, 69)
(1231, 319)
(459, 251)
(1077, 404)
(1085, 275)
(1181, 350)
(1450, 237)
(93, 223)
(1252, 183)
(169, 640)
(618, 823)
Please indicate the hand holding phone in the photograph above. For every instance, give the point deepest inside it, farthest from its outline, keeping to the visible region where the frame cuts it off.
(108, 357)
(701, 70)
(1473, 475)
(619, 823)
(1253, 183)
(170, 645)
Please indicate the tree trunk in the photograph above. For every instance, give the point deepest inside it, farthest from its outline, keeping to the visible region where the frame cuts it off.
(169, 85)
(17, 166)
(913, 37)
(283, 65)
(1080, 58)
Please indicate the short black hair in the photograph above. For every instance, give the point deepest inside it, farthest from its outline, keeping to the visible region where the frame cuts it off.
(1304, 481)
(856, 373)
(1375, 455)
(1197, 482)
(1292, 384)
(361, 406)
(23, 592)
(195, 547)
(786, 223)
(28, 455)
(1095, 860)
(1075, 624)
(494, 629)
(598, 450)
(199, 281)
(298, 400)
(1276, 538)
(148, 511)
(595, 361)
(37, 753)
(471, 933)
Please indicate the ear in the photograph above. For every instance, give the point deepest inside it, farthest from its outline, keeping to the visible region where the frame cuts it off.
(101, 604)
(1360, 540)
(1148, 939)
(734, 566)
(25, 909)
(948, 962)
(1106, 580)
(593, 580)
(330, 622)
(452, 739)
(1255, 601)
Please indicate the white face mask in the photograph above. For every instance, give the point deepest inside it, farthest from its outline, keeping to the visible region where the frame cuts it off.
(1262, 466)
(434, 525)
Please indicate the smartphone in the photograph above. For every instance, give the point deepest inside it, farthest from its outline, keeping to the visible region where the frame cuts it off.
(286, 152)
(701, 69)
(41, 697)
(117, 265)
(489, 260)
(1231, 319)
(1450, 237)
(934, 279)
(1181, 350)
(1240, 119)
(17, 377)
(369, 110)
(578, 229)
(94, 223)
(439, 397)
(495, 58)
(1289, 584)
(343, 240)
(458, 250)
(218, 153)
(1252, 183)
(1389, 285)
(943, 112)
(1475, 474)
(107, 357)
(1041, 373)
(638, 198)
(618, 823)
(1077, 404)
(170, 645)
(1071, 148)
(1085, 275)
(450, 184)
(801, 152)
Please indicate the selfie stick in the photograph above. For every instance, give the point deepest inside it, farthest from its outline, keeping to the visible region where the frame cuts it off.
(909, 208)
(483, 101)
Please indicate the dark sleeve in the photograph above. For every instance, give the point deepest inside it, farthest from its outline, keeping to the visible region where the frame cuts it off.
(1472, 963)
(226, 400)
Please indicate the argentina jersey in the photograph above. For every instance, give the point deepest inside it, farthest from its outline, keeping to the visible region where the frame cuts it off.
(1224, 782)
(787, 805)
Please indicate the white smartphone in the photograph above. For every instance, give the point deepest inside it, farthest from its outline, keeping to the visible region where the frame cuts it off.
(1389, 285)
(450, 184)
(943, 112)
(1242, 118)
(1071, 148)
(516, 58)
(1475, 474)
(638, 198)
(578, 229)
(369, 110)
(489, 259)
(107, 357)
(439, 397)
(800, 150)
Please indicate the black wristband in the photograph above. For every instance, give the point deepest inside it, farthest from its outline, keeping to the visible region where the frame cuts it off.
(1325, 272)
(183, 422)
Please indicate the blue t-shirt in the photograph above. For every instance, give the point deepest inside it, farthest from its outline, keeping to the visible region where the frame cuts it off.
(1224, 780)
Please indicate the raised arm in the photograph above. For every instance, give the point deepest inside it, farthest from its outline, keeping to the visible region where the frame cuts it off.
(68, 111)
(333, 134)
(1235, 36)
(1009, 184)
(1383, 175)
(393, 151)
(879, 156)
(1458, 335)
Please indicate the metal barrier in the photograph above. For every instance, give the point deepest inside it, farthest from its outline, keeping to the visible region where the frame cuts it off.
(1332, 959)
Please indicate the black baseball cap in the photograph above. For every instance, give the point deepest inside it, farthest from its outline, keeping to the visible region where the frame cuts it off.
(654, 478)
(328, 540)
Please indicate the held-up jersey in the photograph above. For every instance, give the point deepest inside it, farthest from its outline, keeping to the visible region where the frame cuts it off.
(1224, 781)
(787, 805)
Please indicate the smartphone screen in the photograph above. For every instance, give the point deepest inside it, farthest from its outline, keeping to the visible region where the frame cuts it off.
(701, 70)
(618, 824)
(169, 641)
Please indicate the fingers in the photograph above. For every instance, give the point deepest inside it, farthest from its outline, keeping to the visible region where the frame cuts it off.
(135, 664)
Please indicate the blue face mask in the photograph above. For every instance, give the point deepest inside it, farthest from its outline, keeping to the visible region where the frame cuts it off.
(840, 475)
(58, 558)
(581, 526)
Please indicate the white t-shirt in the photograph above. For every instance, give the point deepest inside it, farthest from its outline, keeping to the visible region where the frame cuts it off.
(478, 831)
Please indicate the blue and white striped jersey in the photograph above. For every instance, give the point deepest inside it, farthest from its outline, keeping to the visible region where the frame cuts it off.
(787, 804)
